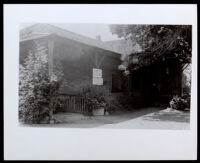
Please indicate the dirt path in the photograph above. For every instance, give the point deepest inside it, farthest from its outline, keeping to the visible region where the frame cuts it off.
(144, 118)
(75, 120)
(164, 119)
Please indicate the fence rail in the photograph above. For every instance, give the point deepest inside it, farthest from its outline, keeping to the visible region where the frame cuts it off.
(74, 103)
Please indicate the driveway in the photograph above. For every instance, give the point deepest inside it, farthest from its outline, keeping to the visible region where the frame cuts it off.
(164, 119)
(77, 120)
(144, 118)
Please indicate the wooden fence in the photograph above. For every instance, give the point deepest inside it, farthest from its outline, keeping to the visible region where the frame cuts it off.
(73, 103)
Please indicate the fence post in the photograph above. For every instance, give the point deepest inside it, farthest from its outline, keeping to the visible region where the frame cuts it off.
(74, 103)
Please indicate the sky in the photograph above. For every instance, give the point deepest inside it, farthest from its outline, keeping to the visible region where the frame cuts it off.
(89, 30)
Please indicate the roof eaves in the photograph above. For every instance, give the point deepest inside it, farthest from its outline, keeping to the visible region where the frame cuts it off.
(34, 37)
(70, 35)
(88, 44)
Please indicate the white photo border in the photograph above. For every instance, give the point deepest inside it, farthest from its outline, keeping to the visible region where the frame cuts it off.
(23, 143)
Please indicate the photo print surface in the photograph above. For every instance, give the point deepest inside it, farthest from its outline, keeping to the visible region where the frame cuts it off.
(105, 75)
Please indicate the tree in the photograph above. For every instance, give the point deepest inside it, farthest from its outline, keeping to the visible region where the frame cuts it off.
(158, 42)
(35, 85)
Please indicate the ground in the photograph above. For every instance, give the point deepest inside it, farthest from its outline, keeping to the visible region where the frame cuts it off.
(144, 118)
(164, 119)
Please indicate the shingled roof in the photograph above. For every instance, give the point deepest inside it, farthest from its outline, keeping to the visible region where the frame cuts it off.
(42, 30)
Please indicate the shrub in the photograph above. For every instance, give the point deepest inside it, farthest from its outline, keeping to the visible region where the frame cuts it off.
(59, 105)
(180, 103)
(36, 87)
(99, 96)
(126, 99)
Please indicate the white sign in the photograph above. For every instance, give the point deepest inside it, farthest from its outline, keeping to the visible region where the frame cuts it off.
(97, 81)
(97, 73)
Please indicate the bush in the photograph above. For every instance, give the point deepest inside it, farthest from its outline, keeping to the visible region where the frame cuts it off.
(99, 96)
(36, 87)
(180, 103)
(126, 100)
(59, 105)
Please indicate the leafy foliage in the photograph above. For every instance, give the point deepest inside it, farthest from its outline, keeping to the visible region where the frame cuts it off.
(99, 96)
(126, 100)
(36, 86)
(158, 42)
(180, 103)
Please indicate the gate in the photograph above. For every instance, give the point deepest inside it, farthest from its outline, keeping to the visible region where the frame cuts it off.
(74, 103)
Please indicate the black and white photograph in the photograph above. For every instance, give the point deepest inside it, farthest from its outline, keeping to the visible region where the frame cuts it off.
(100, 82)
(101, 75)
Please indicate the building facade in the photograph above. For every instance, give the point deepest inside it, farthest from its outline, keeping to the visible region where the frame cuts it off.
(76, 54)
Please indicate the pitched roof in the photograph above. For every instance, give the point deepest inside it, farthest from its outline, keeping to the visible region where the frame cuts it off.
(32, 36)
(43, 30)
(123, 46)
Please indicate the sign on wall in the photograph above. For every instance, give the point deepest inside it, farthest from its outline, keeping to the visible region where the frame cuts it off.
(97, 81)
(97, 77)
(97, 73)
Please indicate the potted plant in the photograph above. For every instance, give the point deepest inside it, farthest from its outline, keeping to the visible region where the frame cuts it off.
(99, 106)
(99, 100)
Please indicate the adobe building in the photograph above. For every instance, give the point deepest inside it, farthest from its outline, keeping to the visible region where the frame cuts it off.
(77, 54)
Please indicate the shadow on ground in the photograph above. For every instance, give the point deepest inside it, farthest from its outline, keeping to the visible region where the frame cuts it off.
(76, 120)
(169, 115)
